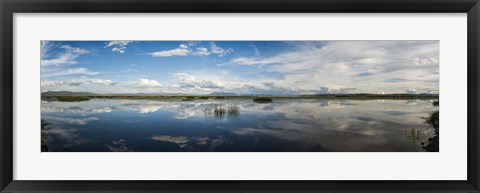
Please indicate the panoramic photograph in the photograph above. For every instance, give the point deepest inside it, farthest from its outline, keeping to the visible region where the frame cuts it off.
(240, 96)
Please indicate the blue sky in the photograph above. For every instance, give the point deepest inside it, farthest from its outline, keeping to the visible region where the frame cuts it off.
(242, 67)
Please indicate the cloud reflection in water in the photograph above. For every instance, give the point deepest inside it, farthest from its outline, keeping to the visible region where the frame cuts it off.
(241, 125)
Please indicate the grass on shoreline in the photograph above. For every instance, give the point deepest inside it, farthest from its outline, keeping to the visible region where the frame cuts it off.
(263, 100)
(66, 98)
(433, 121)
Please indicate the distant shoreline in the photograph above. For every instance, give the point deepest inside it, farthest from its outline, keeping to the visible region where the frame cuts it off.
(209, 97)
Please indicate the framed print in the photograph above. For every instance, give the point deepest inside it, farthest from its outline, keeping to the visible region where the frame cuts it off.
(257, 96)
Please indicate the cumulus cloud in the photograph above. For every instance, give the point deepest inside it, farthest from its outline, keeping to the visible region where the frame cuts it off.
(431, 90)
(202, 51)
(117, 43)
(206, 83)
(341, 64)
(411, 91)
(118, 46)
(101, 82)
(119, 50)
(425, 61)
(148, 83)
(326, 90)
(189, 49)
(188, 81)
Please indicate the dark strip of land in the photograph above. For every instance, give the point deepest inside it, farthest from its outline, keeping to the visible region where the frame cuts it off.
(259, 98)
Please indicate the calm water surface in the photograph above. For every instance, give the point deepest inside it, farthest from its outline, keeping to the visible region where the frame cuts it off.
(237, 125)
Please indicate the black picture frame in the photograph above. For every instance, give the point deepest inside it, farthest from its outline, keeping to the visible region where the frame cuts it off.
(9, 7)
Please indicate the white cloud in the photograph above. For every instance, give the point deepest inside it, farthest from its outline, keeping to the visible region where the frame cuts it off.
(76, 121)
(202, 51)
(168, 53)
(87, 110)
(249, 61)
(66, 58)
(118, 46)
(119, 145)
(206, 83)
(117, 43)
(71, 71)
(425, 61)
(218, 50)
(326, 90)
(49, 84)
(411, 91)
(148, 108)
(52, 83)
(188, 81)
(101, 82)
(119, 50)
(74, 50)
(185, 50)
(148, 83)
(192, 43)
(181, 141)
(45, 47)
(340, 64)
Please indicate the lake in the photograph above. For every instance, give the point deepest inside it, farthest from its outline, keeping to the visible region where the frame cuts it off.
(284, 125)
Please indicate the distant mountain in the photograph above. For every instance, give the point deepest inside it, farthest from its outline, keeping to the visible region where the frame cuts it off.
(67, 93)
(223, 94)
